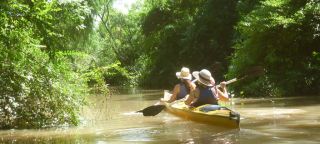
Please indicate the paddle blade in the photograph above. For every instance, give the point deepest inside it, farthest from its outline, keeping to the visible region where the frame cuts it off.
(152, 110)
(256, 71)
(252, 72)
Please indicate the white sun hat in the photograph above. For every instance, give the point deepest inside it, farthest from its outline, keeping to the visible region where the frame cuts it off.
(184, 74)
(204, 77)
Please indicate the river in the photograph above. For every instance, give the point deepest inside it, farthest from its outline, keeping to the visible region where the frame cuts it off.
(113, 120)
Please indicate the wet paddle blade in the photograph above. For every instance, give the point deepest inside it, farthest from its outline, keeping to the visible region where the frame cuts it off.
(152, 110)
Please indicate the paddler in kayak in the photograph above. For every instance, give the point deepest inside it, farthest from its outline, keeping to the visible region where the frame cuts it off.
(185, 86)
(206, 91)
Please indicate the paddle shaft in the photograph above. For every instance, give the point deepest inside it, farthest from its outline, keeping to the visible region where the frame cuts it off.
(229, 82)
(233, 80)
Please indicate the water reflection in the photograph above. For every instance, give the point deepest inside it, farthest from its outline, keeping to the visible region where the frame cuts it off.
(113, 120)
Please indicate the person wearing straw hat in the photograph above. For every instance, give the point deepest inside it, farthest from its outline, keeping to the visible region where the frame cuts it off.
(185, 86)
(206, 92)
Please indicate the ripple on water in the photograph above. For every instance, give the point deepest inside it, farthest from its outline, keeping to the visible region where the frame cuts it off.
(134, 134)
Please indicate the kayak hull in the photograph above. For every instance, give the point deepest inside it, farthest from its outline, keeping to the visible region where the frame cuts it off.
(223, 117)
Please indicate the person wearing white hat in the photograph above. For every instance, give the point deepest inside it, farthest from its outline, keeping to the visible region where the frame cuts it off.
(206, 92)
(184, 88)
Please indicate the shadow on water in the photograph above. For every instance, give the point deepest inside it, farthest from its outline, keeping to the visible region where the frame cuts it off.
(113, 120)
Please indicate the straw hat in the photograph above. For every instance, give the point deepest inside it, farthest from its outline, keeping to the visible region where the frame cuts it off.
(204, 77)
(184, 74)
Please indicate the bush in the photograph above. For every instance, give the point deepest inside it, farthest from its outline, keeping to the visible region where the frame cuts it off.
(116, 75)
(34, 91)
(283, 36)
(38, 87)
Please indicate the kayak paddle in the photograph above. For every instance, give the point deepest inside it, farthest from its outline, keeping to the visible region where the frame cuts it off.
(152, 110)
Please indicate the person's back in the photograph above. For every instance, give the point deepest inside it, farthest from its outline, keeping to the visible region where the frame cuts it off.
(184, 88)
(206, 95)
(206, 92)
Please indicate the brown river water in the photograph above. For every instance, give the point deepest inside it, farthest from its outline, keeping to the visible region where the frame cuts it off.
(113, 120)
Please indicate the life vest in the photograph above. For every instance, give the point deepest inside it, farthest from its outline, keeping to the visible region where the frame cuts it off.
(183, 91)
(206, 96)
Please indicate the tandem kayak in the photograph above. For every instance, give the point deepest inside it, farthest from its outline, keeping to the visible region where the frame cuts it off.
(208, 114)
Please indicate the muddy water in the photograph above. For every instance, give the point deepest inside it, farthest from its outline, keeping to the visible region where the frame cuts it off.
(113, 120)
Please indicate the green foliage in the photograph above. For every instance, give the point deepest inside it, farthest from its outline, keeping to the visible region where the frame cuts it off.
(114, 74)
(224, 36)
(156, 19)
(120, 41)
(35, 92)
(38, 85)
(95, 80)
(283, 36)
(195, 34)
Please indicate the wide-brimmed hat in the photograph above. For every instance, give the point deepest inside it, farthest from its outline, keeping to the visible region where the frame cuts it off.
(204, 77)
(184, 74)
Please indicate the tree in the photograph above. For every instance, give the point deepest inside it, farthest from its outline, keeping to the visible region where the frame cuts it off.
(38, 86)
(282, 36)
(196, 34)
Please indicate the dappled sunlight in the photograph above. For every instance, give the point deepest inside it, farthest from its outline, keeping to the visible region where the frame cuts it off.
(123, 6)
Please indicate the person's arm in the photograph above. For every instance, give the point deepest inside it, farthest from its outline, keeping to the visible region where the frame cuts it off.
(175, 92)
(193, 95)
(222, 92)
(193, 87)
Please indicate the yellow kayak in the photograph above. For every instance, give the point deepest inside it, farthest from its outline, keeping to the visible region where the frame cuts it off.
(208, 114)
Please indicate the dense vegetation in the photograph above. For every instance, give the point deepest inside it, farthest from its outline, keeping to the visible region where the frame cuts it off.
(54, 53)
(284, 37)
(196, 34)
(38, 86)
(229, 37)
